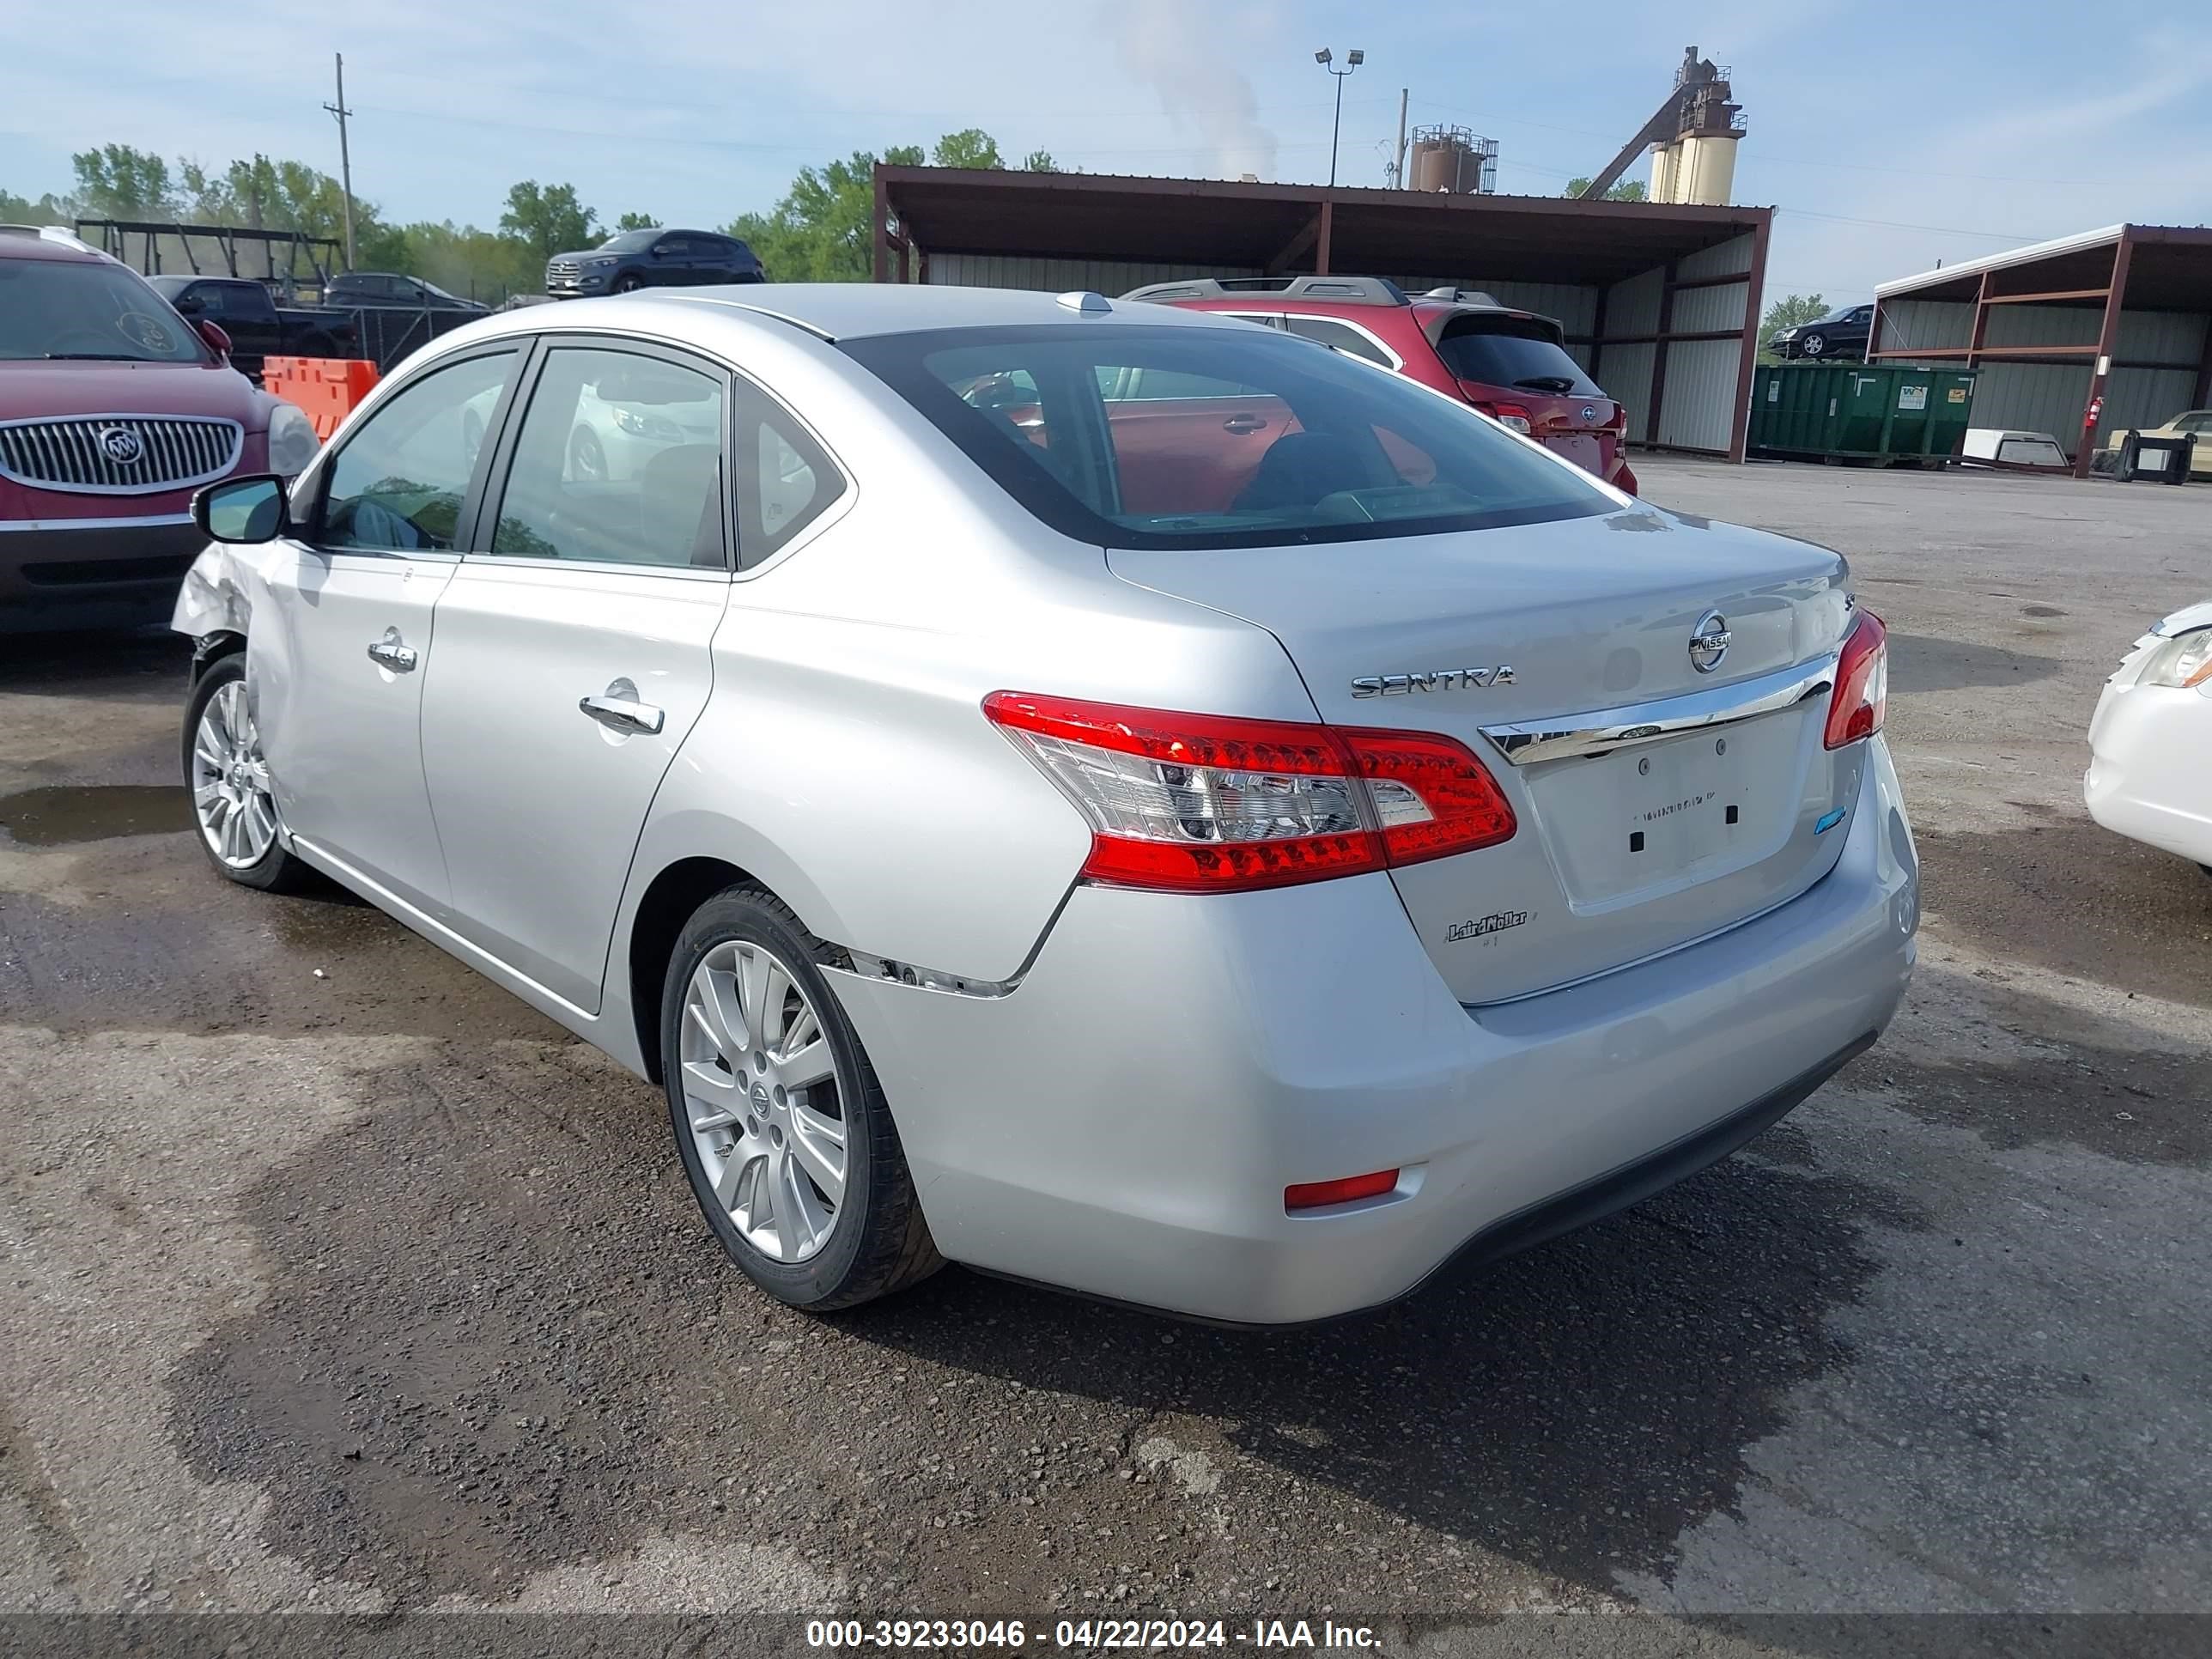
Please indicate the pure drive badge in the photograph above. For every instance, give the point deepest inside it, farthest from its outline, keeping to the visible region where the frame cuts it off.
(1496, 922)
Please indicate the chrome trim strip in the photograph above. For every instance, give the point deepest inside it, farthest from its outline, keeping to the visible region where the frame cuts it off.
(1528, 743)
(151, 520)
(928, 979)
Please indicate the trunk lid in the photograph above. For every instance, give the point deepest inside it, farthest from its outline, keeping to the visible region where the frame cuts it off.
(1620, 855)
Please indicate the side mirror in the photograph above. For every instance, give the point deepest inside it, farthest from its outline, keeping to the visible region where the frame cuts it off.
(242, 511)
(190, 304)
(217, 341)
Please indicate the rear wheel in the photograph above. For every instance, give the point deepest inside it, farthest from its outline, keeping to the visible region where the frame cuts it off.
(234, 804)
(783, 1129)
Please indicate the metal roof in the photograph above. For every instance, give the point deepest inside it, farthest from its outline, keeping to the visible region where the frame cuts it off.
(2171, 269)
(1107, 216)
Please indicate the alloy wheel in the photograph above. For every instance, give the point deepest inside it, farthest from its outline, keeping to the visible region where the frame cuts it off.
(231, 794)
(765, 1100)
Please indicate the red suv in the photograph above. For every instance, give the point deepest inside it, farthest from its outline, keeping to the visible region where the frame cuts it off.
(1511, 365)
(114, 410)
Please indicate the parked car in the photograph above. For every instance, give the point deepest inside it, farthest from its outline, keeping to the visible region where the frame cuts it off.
(1007, 840)
(2190, 423)
(113, 408)
(652, 258)
(1512, 365)
(380, 290)
(2153, 725)
(1842, 333)
(257, 325)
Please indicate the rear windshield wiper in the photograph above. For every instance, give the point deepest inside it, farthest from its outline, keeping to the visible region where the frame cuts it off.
(1547, 383)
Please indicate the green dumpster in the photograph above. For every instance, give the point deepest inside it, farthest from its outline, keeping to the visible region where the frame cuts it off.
(1889, 414)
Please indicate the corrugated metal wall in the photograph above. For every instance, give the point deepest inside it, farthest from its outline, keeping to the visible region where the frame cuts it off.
(1625, 371)
(1632, 306)
(2050, 397)
(1731, 258)
(1925, 325)
(1700, 411)
(1107, 276)
(1701, 310)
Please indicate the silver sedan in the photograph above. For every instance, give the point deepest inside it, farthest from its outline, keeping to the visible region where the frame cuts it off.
(1108, 794)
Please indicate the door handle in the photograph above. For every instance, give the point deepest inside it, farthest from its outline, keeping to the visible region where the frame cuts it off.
(390, 653)
(618, 709)
(1243, 424)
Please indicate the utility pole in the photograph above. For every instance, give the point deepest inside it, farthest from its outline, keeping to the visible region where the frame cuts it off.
(345, 158)
(1398, 166)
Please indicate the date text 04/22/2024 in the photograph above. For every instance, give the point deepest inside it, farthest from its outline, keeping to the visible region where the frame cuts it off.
(1088, 1635)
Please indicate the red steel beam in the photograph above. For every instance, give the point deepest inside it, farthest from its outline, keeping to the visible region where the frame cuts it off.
(2108, 336)
(1328, 223)
(881, 227)
(2039, 299)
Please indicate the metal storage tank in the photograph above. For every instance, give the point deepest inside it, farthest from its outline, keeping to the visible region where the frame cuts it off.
(1453, 160)
(1893, 414)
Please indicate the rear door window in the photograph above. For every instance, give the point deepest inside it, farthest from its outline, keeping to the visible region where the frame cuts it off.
(618, 461)
(1342, 336)
(1261, 440)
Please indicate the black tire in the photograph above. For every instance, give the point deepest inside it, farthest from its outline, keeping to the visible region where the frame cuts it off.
(878, 1242)
(1813, 344)
(277, 871)
(629, 282)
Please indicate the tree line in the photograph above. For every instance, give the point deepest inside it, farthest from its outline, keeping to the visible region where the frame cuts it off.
(818, 231)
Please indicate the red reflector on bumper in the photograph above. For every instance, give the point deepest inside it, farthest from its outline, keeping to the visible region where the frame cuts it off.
(1312, 1195)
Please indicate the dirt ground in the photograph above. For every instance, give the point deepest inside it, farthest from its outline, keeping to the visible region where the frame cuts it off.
(336, 1279)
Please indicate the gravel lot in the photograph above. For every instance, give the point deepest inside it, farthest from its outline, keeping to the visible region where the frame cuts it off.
(335, 1278)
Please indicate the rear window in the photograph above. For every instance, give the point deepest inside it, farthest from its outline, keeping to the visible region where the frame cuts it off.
(1143, 437)
(1508, 351)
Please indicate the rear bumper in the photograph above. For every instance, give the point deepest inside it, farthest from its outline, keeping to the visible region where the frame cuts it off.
(2139, 783)
(1124, 1121)
(100, 573)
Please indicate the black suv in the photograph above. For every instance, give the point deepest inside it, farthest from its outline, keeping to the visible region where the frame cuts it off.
(652, 258)
(378, 290)
(1842, 333)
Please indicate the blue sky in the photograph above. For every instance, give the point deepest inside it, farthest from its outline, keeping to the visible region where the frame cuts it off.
(1892, 135)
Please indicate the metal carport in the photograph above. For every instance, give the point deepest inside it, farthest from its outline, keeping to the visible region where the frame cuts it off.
(2087, 334)
(1660, 301)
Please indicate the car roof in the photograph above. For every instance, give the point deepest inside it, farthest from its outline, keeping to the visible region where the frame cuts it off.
(848, 311)
(48, 242)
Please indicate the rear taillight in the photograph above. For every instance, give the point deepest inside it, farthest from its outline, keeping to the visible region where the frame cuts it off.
(1862, 683)
(1510, 415)
(1201, 802)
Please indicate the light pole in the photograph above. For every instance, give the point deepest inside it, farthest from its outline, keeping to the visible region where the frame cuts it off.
(1327, 60)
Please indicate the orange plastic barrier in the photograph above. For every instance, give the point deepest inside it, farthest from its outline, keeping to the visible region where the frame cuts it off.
(327, 388)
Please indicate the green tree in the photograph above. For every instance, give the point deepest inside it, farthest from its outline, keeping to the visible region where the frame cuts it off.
(46, 209)
(970, 147)
(819, 232)
(548, 219)
(637, 222)
(1788, 312)
(1040, 160)
(118, 182)
(1629, 189)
